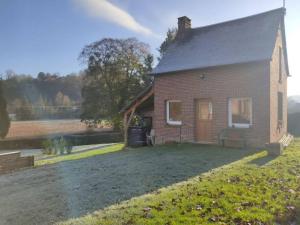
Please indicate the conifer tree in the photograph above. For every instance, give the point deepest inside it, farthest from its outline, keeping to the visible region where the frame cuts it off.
(4, 118)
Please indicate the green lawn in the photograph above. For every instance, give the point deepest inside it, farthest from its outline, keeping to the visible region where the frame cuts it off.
(80, 155)
(256, 190)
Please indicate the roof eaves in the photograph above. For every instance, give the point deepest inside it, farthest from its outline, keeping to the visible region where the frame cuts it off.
(140, 95)
(285, 48)
(210, 67)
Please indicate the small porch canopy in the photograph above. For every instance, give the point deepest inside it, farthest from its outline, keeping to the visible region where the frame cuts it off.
(143, 102)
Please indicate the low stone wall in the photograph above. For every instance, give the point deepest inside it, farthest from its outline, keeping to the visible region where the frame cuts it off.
(13, 161)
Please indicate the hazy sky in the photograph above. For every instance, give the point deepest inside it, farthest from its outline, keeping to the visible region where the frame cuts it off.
(47, 35)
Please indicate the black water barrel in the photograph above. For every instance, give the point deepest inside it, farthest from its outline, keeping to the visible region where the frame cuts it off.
(136, 136)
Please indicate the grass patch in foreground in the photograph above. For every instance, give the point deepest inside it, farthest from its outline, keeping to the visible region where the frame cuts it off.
(257, 190)
(80, 155)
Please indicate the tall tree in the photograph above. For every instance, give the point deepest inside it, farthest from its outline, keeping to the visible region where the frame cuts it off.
(170, 37)
(115, 74)
(4, 118)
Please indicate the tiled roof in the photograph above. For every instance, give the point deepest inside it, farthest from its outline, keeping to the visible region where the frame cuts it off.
(237, 41)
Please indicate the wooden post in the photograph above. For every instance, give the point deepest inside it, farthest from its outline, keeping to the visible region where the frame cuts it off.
(132, 110)
(126, 125)
(125, 129)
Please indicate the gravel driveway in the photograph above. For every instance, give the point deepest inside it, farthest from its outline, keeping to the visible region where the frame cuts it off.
(65, 190)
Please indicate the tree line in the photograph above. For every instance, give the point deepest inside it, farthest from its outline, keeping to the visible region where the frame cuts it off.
(45, 96)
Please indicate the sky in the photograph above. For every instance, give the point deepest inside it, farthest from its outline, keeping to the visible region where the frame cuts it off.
(48, 35)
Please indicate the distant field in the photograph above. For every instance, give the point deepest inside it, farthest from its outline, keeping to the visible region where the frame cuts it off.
(21, 129)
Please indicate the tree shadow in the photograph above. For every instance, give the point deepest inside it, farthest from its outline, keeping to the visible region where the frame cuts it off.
(84, 186)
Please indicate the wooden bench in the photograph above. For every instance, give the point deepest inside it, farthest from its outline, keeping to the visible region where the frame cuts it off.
(233, 135)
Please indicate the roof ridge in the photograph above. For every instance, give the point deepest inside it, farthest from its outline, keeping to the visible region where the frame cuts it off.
(240, 19)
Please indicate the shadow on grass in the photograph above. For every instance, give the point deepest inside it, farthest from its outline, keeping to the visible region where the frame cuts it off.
(83, 186)
(263, 160)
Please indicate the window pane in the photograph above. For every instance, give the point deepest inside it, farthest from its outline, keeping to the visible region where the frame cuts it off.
(175, 111)
(241, 111)
(205, 111)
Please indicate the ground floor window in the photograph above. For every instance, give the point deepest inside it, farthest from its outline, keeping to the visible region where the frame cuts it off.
(174, 114)
(240, 112)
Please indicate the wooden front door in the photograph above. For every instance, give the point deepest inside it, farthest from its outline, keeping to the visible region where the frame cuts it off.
(204, 109)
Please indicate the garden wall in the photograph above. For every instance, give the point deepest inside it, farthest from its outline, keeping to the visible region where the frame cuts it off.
(75, 139)
(13, 161)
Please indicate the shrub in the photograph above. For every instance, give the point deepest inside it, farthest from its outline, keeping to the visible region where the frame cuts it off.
(69, 149)
(58, 145)
(47, 147)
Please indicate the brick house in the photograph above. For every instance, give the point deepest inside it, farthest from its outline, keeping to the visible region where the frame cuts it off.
(227, 76)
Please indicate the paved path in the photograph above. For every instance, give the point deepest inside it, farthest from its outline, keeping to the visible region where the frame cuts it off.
(64, 190)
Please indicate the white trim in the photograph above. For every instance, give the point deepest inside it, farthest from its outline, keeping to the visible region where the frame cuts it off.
(239, 125)
(171, 122)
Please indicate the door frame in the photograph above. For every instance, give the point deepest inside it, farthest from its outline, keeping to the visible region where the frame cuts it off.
(196, 100)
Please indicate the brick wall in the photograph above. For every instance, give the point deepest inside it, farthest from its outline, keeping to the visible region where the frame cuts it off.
(14, 161)
(275, 87)
(220, 83)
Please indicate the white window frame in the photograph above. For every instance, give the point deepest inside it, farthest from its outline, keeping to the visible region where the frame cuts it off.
(171, 122)
(239, 125)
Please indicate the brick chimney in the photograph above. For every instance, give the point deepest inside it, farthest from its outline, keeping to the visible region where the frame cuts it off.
(184, 24)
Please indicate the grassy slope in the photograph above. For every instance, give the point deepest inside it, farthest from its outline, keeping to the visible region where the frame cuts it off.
(80, 155)
(244, 193)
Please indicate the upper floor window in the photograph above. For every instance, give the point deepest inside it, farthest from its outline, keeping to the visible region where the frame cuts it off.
(240, 112)
(174, 114)
(280, 64)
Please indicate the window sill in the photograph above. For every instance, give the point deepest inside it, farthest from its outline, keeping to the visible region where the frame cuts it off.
(173, 123)
(241, 126)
